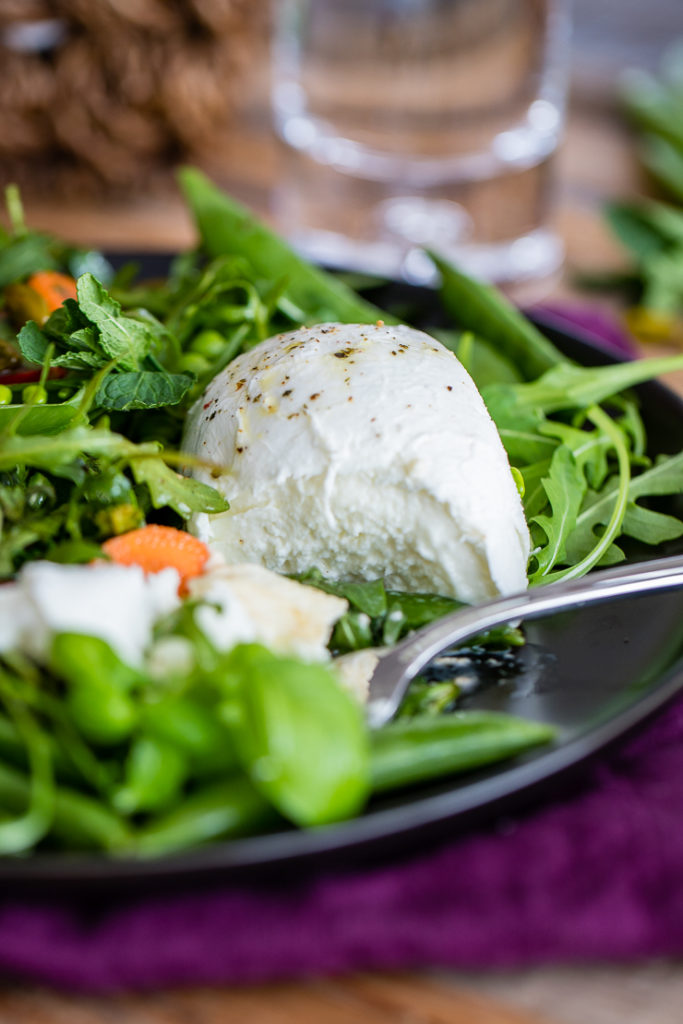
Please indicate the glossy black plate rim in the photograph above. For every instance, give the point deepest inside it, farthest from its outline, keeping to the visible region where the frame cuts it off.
(500, 790)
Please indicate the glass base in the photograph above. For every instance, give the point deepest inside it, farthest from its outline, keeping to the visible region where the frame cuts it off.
(538, 254)
(495, 229)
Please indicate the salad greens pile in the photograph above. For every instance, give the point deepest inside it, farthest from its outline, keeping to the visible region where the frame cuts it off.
(96, 754)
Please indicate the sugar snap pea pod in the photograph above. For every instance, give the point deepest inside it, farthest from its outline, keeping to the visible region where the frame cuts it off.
(480, 308)
(79, 822)
(418, 749)
(226, 227)
(218, 811)
(13, 750)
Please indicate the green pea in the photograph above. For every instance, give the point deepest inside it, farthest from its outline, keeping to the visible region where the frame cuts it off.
(192, 362)
(102, 713)
(209, 344)
(154, 773)
(34, 394)
(5, 395)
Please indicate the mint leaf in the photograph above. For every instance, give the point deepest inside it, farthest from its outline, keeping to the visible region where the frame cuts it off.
(121, 337)
(65, 321)
(145, 389)
(32, 342)
(79, 360)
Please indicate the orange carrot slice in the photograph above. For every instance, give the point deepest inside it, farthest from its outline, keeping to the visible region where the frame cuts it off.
(156, 547)
(53, 288)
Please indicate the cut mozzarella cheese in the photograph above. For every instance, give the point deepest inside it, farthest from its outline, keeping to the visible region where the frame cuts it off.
(249, 604)
(117, 603)
(365, 451)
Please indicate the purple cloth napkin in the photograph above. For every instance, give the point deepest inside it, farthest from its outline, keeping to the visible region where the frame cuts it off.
(598, 874)
(590, 323)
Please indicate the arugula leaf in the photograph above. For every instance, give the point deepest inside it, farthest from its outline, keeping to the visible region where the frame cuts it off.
(369, 597)
(300, 737)
(567, 386)
(588, 447)
(650, 527)
(56, 454)
(526, 445)
(565, 486)
(121, 337)
(535, 497)
(144, 389)
(39, 419)
(665, 477)
(181, 493)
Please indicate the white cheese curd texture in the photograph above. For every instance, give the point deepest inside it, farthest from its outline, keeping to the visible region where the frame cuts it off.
(249, 604)
(363, 450)
(117, 603)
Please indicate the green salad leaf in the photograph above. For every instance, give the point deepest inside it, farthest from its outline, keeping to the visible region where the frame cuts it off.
(301, 738)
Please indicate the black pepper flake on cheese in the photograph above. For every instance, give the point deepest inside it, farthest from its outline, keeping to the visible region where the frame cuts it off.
(286, 393)
(449, 387)
(240, 383)
(312, 398)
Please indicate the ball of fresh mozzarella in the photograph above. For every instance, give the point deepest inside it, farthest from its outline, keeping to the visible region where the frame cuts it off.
(365, 451)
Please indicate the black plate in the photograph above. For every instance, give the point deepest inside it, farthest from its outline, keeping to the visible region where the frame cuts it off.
(595, 673)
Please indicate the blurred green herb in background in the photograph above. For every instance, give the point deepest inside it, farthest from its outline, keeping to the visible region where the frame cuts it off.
(652, 231)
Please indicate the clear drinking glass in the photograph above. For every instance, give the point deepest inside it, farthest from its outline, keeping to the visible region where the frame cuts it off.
(421, 123)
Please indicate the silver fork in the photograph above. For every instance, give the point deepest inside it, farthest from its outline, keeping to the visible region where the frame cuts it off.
(402, 663)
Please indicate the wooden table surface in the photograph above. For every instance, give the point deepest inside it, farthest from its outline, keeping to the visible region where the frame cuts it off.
(596, 161)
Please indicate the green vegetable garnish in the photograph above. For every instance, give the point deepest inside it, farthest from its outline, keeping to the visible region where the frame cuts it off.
(95, 754)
